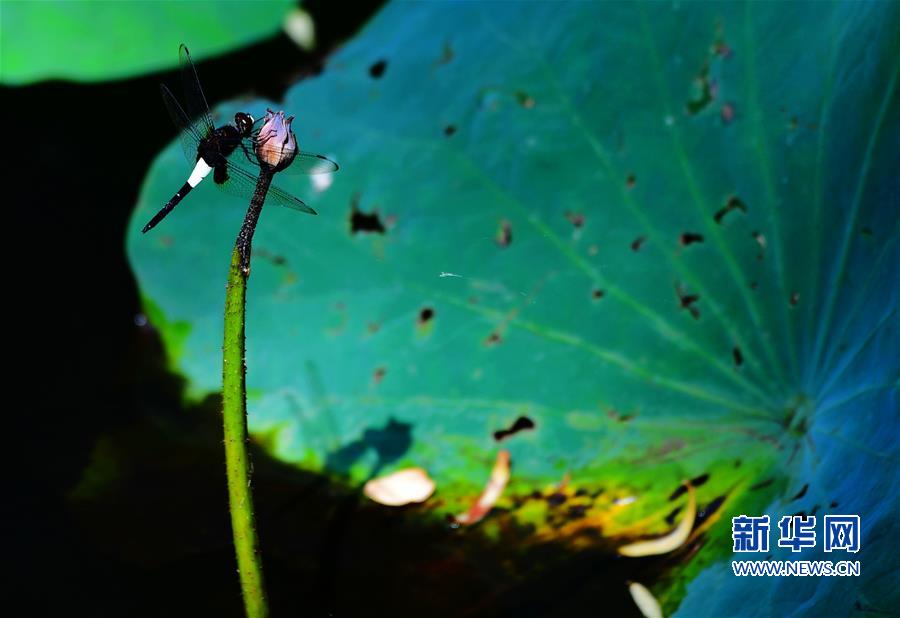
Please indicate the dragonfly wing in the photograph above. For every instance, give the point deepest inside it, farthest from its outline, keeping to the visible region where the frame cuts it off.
(197, 108)
(242, 183)
(187, 133)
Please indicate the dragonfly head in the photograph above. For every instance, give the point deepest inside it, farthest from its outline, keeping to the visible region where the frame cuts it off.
(244, 123)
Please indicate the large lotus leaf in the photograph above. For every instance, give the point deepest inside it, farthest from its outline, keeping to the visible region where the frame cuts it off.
(85, 40)
(665, 233)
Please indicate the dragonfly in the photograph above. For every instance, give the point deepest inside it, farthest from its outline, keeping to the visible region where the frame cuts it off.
(231, 152)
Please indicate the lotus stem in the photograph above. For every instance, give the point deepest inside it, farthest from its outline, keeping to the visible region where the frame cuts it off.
(234, 412)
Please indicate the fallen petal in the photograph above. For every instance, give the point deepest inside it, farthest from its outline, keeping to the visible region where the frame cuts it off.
(671, 541)
(492, 491)
(399, 488)
(645, 601)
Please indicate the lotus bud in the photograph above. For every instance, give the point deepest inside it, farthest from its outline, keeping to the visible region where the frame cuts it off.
(276, 145)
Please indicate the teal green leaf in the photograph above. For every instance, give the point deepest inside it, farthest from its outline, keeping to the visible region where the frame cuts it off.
(665, 233)
(89, 40)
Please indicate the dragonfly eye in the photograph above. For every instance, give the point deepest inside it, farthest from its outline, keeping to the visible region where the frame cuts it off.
(244, 123)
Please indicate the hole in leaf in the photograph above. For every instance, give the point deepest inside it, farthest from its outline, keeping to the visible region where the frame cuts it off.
(638, 242)
(733, 203)
(556, 499)
(522, 423)
(738, 357)
(699, 480)
(630, 181)
(800, 493)
(378, 374)
(575, 218)
(378, 69)
(364, 222)
(425, 316)
(670, 518)
(504, 234)
(597, 294)
(689, 238)
(449, 130)
(687, 302)
(762, 484)
(705, 512)
(703, 92)
(794, 299)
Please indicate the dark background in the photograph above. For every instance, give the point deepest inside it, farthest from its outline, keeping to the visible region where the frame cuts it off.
(118, 504)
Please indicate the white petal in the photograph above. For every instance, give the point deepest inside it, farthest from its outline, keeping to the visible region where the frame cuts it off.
(399, 488)
(671, 541)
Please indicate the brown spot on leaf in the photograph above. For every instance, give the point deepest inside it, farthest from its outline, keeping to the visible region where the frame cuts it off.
(449, 130)
(794, 299)
(727, 113)
(630, 181)
(597, 294)
(738, 357)
(378, 375)
(493, 339)
(525, 100)
(504, 234)
(638, 242)
(575, 218)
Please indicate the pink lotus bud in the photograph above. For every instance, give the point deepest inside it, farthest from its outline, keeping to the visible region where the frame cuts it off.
(276, 145)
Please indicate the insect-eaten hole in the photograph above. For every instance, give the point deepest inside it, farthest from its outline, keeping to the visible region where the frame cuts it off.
(503, 238)
(705, 512)
(597, 294)
(794, 299)
(449, 130)
(521, 424)
(800, 493)
(738, 356)
(493, 339)
(378, 68)
(630, 181)
(689, 238)
(426, 314)
(365, 222)
(688, 302)
(733, 203)
(637, 243)
(378, 375)
(670, 518)
(575, 218)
